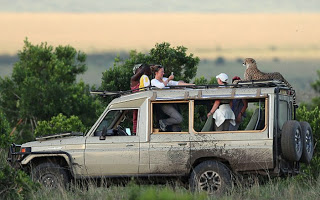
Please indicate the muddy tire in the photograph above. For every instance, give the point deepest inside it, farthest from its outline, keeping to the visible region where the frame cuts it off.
(291, 140)
(307, 142)
(50, 175)
(212, 177)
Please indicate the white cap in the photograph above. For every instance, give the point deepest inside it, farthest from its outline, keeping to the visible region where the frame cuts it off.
(223, 77)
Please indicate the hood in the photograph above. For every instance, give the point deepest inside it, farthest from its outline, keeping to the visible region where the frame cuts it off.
(57, 143)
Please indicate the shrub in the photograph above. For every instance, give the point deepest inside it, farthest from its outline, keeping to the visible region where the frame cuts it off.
(14, 184)
(59, 124)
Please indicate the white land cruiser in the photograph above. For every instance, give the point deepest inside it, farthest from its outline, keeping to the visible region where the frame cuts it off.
(271, 142)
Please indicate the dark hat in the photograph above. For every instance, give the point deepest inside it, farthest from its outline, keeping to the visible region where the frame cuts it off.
(236, 78)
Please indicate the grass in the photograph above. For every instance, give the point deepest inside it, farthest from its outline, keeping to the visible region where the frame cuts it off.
(285, 188)
(248, 188)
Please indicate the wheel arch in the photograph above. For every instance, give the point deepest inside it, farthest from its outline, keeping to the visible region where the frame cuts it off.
(63, 160)
(202, 159)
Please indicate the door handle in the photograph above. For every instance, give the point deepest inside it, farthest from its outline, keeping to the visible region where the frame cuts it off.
(129, 145)
(182, 144)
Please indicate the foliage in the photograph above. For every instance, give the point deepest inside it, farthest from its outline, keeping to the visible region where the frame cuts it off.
(313, 118)
(14, 184)
(174, 59)
(203, 81)
(59, 124)
(316, 87)
(43, 84)
(5, 138)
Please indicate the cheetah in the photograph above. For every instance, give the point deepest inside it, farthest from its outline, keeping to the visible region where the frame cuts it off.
(253, 73)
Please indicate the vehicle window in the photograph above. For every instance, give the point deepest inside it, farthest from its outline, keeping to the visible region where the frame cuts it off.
(252, 119)
(170, 117)
(117, 123)
(283, 113)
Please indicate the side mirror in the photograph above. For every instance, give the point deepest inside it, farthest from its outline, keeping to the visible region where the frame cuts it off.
(103, 134)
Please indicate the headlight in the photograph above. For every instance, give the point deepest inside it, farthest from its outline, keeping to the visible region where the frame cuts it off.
(25, 150)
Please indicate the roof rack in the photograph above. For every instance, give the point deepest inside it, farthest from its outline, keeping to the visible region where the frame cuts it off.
(240, 84)
(261, 83)
(119, 93)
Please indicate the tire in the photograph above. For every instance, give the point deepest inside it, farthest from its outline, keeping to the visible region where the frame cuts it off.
(212, 177)
(50, 175)
(307, 142)
(291, 140)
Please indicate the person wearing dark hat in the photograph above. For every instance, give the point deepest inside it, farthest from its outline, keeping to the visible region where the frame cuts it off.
(239, 106)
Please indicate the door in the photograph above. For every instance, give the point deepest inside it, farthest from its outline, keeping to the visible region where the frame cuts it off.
(169, 149)
(118, 153)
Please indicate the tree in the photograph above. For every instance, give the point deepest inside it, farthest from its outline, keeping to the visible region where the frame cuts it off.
(173, 59)
(5, 138)
(43, 84)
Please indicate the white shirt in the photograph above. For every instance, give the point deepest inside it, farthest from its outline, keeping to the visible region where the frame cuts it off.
(222, 113)
(158, 84)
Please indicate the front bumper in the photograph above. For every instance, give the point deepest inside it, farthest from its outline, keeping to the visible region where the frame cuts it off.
(15, 156)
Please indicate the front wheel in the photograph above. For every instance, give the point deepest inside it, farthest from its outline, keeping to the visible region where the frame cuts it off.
(50, 175)
(210, 176)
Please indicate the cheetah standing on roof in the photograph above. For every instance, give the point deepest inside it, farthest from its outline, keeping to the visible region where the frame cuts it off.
(253, 73)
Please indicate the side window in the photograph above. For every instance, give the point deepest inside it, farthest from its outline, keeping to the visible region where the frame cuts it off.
(170, 117)
(117, 123)
(283, 113)
(253, 117)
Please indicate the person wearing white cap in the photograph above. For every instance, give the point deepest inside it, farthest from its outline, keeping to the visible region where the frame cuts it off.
(222, 79)
(221, 110)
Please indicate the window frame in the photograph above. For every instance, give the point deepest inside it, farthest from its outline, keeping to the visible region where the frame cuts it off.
(152, 129)
(117, 122)
(266, 115)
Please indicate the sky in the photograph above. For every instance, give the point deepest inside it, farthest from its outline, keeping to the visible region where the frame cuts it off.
(216, 6)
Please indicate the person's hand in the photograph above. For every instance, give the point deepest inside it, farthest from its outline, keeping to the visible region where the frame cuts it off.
(171, 77)
(238, 119)
(209, 113)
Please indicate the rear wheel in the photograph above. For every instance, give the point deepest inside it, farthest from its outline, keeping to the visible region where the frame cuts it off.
(212, 177)
(307, 142)
(50, 175)
(291, 140)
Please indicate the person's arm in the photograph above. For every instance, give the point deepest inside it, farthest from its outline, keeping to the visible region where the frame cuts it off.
(136, 77)
(245, 106)
(214, 107)
(184, 83)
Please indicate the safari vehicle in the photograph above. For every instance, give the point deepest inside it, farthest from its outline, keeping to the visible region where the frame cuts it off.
(270, 142)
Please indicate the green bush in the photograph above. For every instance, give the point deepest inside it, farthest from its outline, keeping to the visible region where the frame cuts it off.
(14, 184)
(59, 124)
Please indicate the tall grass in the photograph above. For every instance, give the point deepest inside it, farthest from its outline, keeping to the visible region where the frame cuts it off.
(288, 188)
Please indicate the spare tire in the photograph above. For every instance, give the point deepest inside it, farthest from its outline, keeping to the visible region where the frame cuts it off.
(291, 140)
(307, 143)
